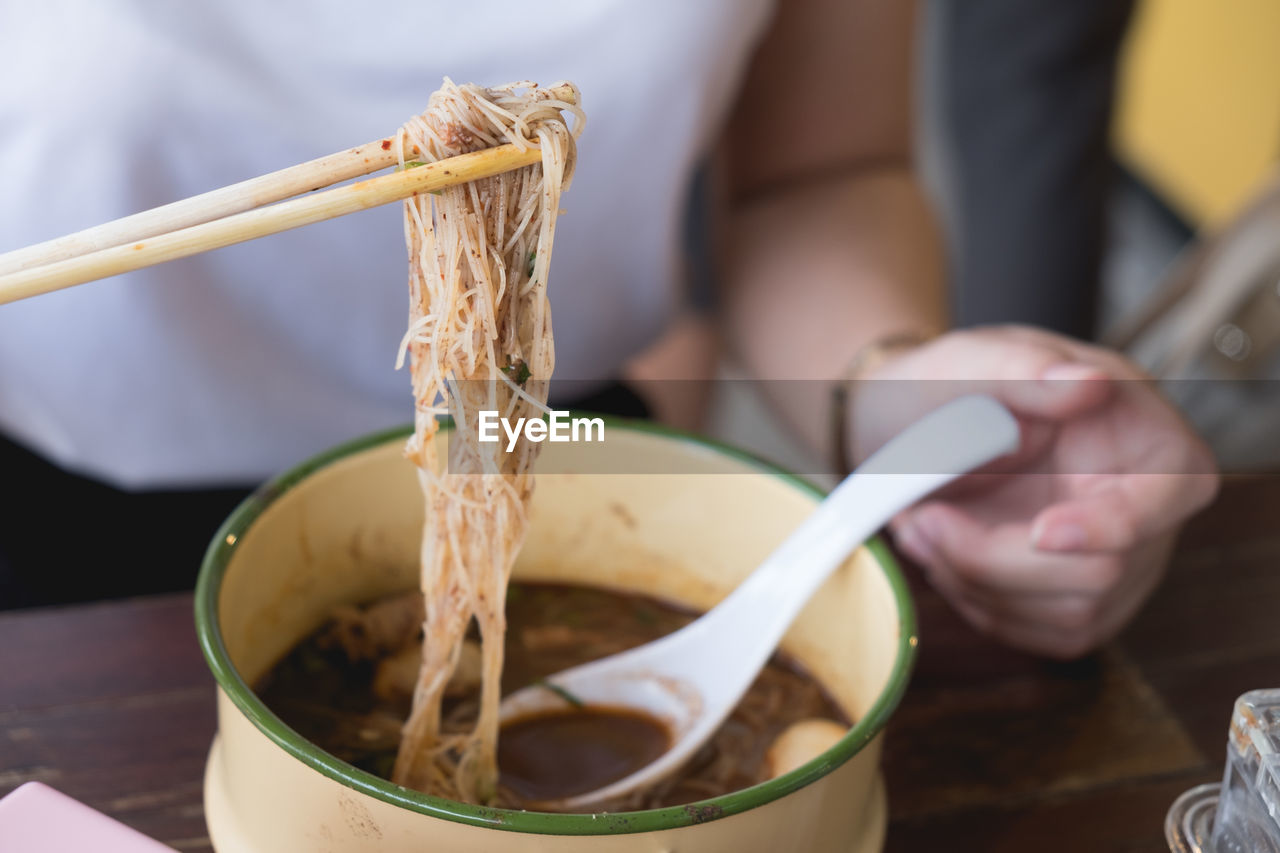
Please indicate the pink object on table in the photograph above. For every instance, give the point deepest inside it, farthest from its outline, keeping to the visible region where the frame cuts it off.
(35, 818)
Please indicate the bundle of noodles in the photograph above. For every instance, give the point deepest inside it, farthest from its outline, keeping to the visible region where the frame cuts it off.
(479, 338)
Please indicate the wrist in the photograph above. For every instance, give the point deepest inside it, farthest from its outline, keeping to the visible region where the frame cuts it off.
(866, 362)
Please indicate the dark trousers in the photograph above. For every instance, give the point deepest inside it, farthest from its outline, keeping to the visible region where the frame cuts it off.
(66, 538)
(1024, 94)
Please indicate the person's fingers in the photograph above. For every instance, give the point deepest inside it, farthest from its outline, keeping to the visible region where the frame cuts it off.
(1064, 627)
(1059, 391)
(1126, 510)
(1043, 639)
(1035, 377)
(1042, 384)
(1061, 625)
(1062, 611)
(1002, 556)
(911, 543)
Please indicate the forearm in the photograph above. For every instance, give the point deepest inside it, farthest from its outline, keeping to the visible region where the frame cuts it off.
(815, 272)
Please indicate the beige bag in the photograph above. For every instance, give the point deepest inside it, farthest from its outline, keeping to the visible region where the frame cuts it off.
(1210, 333)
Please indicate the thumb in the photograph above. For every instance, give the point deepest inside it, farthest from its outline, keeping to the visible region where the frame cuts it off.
(1061, 391)
(1056, 391)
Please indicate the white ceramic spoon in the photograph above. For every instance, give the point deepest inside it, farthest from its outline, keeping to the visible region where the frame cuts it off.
(691, 679)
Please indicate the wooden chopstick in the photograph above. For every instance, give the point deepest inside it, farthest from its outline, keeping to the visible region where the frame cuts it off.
(225, 201)
(262, 221)
(236, 213)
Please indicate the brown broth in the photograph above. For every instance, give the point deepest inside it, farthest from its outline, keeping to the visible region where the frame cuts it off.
(330, 702)
(557, 754)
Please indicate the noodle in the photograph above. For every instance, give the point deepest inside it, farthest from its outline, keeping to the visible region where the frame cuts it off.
(479, 338)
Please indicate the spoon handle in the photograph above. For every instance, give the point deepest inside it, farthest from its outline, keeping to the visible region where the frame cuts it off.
(950, 441)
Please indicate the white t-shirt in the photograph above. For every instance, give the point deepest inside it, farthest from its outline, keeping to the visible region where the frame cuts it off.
(231, 365)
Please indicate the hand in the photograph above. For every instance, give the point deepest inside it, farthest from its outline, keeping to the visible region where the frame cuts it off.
(1055, 548)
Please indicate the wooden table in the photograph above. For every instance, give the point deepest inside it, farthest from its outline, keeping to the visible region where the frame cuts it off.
(992, 751)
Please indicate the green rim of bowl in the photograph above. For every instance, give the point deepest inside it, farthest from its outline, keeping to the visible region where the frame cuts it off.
(543, 823)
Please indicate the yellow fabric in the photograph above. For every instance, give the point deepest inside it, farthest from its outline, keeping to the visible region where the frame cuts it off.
(1198, 115)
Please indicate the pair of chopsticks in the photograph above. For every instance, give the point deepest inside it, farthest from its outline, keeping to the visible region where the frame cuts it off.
(244, 211)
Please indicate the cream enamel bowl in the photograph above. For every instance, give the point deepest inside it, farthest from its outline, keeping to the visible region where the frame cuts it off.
(344, 527)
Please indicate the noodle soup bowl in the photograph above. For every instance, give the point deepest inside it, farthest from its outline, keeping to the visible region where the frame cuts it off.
(345, 527)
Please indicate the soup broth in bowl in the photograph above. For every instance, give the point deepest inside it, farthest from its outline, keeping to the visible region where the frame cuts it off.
(347, 688)
(344, 530)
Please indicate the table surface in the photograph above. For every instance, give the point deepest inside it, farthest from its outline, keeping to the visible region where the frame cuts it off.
(991, 750)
